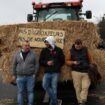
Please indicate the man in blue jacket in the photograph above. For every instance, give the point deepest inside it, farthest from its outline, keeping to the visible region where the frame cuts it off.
(25, 66)
(52, 58)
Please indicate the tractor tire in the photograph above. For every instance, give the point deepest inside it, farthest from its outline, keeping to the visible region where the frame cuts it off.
(29, 17)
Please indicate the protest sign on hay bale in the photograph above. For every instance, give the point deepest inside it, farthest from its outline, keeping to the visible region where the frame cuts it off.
(73, 30)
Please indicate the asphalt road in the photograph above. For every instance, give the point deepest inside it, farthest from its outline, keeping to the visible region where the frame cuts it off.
(65, 92)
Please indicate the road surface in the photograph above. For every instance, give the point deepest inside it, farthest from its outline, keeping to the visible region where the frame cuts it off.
(65, 92)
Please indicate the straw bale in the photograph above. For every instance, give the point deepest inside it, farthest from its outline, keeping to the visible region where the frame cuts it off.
(73, 30)
(99, 57)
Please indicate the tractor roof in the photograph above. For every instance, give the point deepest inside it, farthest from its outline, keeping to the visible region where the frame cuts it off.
(71, 3)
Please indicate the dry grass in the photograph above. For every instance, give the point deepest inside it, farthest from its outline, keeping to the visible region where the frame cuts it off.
(73, 30)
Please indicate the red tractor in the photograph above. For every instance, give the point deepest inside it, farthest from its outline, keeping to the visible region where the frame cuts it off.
(57, 11)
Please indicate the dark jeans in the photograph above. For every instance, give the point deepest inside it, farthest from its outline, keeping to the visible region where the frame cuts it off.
(50, 86)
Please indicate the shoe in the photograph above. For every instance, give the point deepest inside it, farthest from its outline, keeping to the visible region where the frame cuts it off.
(46, 98)
(59, 102)
(82, 103)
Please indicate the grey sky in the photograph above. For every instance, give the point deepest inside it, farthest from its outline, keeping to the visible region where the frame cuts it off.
(15, 11)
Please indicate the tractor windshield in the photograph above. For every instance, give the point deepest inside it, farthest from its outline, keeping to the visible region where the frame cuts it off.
(54, 14)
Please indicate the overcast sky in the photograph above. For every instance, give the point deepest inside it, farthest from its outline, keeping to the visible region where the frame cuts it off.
(15, 11)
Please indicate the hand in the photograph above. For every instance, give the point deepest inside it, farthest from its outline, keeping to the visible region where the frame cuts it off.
(50, 63)
(13, 78)
(76, 62)
(0, 70)
(34, 76)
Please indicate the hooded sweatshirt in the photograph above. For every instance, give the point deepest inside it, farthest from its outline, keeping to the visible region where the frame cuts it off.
(56, 55)
(51, 41)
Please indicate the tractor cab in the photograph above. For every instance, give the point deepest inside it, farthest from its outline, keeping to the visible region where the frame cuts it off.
(57, 11)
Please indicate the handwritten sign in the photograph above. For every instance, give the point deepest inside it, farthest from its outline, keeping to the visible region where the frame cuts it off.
(36, 37)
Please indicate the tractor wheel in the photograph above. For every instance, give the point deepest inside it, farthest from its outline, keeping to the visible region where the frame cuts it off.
(29, 17)
(88, 14)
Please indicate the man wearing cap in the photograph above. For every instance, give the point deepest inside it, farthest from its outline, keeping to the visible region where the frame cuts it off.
(52, 58)
(79, 59)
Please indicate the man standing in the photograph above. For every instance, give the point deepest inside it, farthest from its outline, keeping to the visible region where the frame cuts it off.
(79, 59)
(52, 58)
(25, 67)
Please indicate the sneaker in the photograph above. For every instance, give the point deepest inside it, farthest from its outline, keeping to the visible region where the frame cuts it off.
(46, 98)
(59, 102)
(82, 103)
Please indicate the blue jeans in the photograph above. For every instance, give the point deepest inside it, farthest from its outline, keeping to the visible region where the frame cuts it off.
(25, 82)
(50, 82)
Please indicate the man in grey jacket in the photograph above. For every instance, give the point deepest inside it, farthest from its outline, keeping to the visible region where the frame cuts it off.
(25, 66)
